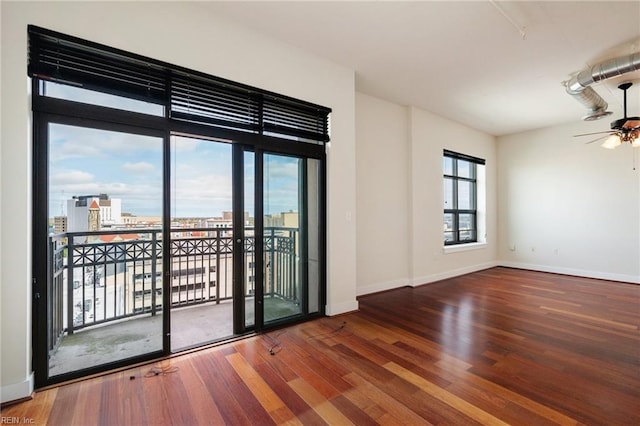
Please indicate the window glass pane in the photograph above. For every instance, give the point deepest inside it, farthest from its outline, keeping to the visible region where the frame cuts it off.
(314, 177)
(466, 221)
(77, 94)
(250, 237)
(201, 227)
(200, 183)
(465, 169)
(448, 166)
(105, 187)
(465, 195)
(467, 235)
(448, 237)
(282, 195)
(448, 194)
(448, 222)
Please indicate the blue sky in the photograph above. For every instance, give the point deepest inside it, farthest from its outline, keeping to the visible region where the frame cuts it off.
(86, 161)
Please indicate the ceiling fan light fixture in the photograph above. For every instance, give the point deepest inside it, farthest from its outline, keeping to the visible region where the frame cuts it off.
(612, 142)
(623, 130)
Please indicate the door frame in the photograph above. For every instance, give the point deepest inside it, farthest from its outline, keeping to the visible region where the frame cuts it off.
(240, 238)
(40, 247)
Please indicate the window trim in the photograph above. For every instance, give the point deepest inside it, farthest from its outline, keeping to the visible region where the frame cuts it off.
(456, 248)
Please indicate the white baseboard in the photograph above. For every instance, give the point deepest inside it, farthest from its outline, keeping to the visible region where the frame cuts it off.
(341, 308)
(451, 274)
(16, 391)
(571, 271)
(390, 285)
(382, 286)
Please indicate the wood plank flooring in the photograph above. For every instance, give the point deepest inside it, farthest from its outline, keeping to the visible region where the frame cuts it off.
(500, 346)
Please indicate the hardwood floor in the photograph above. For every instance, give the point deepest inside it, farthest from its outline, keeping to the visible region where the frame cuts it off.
(500, 346)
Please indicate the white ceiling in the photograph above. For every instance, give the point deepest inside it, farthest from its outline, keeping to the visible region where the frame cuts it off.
(466, 61)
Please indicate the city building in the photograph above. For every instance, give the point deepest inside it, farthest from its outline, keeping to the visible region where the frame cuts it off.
(60, 224)
(93, 211)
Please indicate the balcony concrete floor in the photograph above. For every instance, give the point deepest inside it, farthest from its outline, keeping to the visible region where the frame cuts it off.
(190, 326)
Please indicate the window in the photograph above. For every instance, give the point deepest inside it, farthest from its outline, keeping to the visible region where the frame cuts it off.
(460, 197)
(92, 97)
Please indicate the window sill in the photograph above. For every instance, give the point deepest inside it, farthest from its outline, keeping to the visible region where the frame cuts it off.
(463, 247)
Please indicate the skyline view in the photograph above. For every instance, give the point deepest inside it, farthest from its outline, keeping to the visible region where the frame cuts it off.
(85, 161)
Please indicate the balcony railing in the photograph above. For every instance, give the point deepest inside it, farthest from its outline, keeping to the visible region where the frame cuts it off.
(104, 276)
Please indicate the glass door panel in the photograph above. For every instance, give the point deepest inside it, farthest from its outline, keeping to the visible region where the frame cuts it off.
(201, 276)
(283, 216)
(104, 247)
(314, 249)
(249, 254)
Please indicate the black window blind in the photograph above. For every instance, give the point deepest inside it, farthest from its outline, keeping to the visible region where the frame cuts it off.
(206, 102)
(71, 61)
(189, 95)
(464, 157)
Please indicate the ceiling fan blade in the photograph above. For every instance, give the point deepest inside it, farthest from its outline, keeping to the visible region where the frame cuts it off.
(632, 123)
(594, 133)
(599, 138)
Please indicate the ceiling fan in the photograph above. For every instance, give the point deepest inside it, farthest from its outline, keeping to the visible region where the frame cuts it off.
(626, 129)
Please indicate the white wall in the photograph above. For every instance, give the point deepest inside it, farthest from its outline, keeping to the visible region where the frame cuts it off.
(569, 207)
(383, 194)
(186, 35)
(400, 196)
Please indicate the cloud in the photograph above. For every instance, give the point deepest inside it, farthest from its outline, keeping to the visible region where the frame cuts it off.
(90, 161)
(206, 195)
(281, 168)
(71, 177)
(63, 149)
(98, 98)
(69, 142)
(203, 188)
(139, 168)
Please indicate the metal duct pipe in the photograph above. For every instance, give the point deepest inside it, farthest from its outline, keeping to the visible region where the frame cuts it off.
(592, 101)
(579, 85)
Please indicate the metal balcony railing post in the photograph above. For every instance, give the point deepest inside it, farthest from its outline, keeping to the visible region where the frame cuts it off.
(52, 294)
(272, 263)
(70, 250)
(294, 267)
(218, 266)
(286, 287)
(153, 275)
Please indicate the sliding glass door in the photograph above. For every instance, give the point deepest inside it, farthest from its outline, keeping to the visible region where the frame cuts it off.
(104, 222)
(290, 220)
(283, 219)
(159, 245)
(201, 276)
(246, 221)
